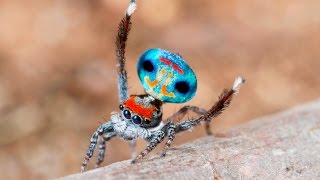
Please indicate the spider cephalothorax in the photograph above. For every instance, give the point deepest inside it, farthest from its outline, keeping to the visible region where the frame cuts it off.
(143, 110)
(166, 78)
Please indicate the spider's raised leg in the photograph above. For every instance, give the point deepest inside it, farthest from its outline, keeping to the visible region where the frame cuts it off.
(223, 102)
(184, 110)
(154, 140)
(121, 40)
(102, 129)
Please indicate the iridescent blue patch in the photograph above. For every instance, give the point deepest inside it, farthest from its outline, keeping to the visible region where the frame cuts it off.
(166, 76)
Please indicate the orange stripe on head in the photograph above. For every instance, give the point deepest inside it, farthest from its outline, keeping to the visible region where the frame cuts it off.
(137, 108)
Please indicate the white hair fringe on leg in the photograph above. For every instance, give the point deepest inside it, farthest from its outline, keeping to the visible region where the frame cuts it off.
(237, 84)
(132, 7)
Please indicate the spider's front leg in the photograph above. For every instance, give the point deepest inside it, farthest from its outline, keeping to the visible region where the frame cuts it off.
(121, 43)
(223, 102)
(170, 129)
(154, 140)
(102, 146)
(105, 129)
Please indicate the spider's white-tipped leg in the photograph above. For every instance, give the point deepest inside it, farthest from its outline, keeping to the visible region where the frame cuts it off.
(132, 7)
(237, 84)
(223, 102)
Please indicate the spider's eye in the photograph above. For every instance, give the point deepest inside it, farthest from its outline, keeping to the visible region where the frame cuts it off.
(148, 66)
(121, 107)
(127, 114)
(136, 119)
(182, 87)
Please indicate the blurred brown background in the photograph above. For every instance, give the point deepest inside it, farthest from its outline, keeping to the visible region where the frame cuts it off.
(58, 78)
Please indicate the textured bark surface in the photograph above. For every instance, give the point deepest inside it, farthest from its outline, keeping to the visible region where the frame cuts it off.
(281, 146)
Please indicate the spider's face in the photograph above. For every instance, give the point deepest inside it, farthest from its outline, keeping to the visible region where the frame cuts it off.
(166, 76)
(143, 110)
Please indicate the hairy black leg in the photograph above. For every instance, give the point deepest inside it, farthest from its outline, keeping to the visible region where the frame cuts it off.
(104, 128)
(223, 102)
(154, 140)
(122, 37)
(92, 146)
(121, 40)
(184, 110)
(102, 147)
(171, 135)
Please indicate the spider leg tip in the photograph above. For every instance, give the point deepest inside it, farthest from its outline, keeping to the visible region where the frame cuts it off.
(133, 161)
(163, 155)
(132, 7)
(237, 83)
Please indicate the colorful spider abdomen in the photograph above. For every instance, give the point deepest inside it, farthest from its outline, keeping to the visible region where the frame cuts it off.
(166, 76)
(144, 110)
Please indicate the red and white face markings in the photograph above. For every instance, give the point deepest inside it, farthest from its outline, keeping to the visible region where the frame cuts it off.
(143, 110)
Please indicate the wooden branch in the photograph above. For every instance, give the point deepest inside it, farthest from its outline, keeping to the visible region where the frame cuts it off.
(281, 146)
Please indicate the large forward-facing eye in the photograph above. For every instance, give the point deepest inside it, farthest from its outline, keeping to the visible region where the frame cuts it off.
(182, 87)
(148, 66)
(127, 114)
(136, 119)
